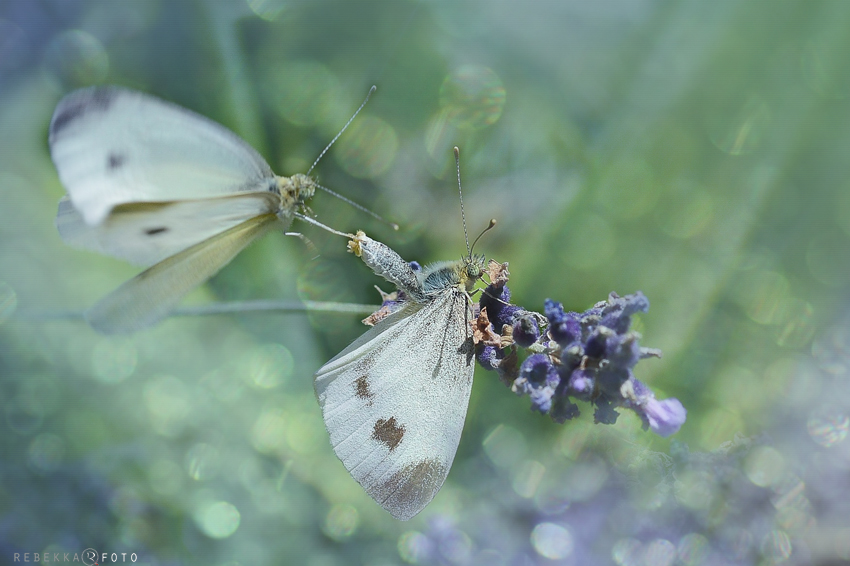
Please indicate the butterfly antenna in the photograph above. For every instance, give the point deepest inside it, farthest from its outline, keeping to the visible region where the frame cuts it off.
(359, 207)
(460, 194)
(484, 231)
(336, 137)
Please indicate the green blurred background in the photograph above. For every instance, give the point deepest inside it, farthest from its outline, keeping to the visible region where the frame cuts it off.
(696, 151)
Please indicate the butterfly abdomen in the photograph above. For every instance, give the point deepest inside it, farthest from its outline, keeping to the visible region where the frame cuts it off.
(385, 262)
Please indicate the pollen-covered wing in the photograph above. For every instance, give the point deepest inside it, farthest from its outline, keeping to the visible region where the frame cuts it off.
(395, 400)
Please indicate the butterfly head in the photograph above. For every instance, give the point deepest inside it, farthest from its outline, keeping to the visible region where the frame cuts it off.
(471, 270)
(472, 266)
(303, 187)
(294, 191)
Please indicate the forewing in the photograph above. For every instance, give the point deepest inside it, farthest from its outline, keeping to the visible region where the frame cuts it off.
(113, 146)
(147, 233)
(151, 295)
(395, 400)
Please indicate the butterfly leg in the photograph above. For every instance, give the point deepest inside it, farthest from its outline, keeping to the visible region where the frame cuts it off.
(307, 242)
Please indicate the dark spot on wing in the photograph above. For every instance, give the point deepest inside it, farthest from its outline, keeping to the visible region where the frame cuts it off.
(388, 432)
(114, 161)
(155, 231)
(361, 389)
(78, 105)
(411, 488)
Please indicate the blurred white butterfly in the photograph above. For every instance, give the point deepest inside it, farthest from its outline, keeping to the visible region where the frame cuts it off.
(158, 185)
(394, 401)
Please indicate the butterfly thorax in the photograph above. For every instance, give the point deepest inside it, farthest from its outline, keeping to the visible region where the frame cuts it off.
(294, 192)
(462, 274)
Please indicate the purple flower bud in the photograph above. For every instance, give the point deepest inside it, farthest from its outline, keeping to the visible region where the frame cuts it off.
(507, 315)
(539, 379)
(624, 351)
(570, 359)
(495, 300)
(617, 314)
(580, 384)
(541, 399)
(553, 311)
(616, 322)
(414, 265)
(525, 330)
(596, 346)
(537, 369)
(564, 328)
(665, 417)
(489, 357)
(634, 303)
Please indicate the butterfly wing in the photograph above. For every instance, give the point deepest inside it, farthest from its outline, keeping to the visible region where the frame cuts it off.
(151, 295)
(395, 400)
(113, 146)
(147, 233)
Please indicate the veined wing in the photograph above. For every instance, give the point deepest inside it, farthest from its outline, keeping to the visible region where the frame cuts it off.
(113, 146)
(151, 295)
(147, 233)
(395, 400)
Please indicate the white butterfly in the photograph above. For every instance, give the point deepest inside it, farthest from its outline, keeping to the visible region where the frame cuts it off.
(395, 400)
(158, 185)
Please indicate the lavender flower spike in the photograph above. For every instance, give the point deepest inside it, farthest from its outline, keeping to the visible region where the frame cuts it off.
(572, 356)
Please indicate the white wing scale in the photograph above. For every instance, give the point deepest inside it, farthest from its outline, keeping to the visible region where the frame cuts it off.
(113, 146)
(395, 400)
(147, 233)
(150, 296)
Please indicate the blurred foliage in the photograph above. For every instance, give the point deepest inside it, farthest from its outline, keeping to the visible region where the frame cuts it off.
(694, 151)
